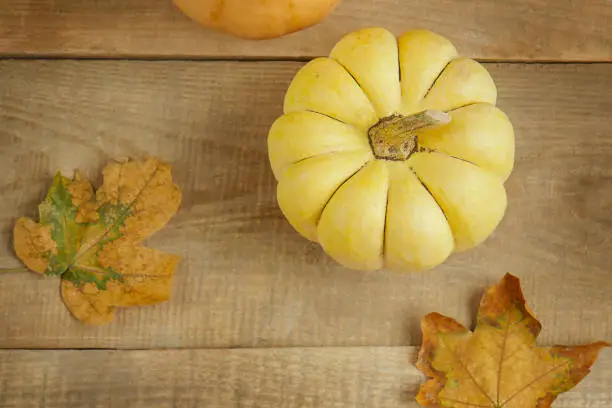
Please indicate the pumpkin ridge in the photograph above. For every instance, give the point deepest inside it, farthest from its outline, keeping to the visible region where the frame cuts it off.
(422, 149)
(384, 232)
(329, 116)
(366, 93)
(320, 155)
(399, 72)
(463, 80)
(433, 151)
(435, 81)
(423, 56)
(339, 187)
(459, 158)
(432, 196)
(470, 215)
(471, 141)
(301, 196)
(354, 79)
(325, 77)
(469, 104)
(357, 215)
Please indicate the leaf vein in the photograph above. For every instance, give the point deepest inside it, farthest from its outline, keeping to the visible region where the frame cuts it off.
(471, 376)
(531, 383)
(467, 404)
(120, 217)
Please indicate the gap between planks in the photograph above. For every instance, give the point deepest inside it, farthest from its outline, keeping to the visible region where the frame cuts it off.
(373, 377)
(270, 59)
(572, 30)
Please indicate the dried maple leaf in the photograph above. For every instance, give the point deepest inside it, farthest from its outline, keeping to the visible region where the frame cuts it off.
(92, 239)
(497, 365)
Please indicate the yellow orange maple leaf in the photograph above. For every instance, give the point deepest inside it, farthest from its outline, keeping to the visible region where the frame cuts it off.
(498, 365)
(92, 240)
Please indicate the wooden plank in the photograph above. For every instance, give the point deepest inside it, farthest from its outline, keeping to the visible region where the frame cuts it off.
(247, 279)
(293, 377)
(516, 29)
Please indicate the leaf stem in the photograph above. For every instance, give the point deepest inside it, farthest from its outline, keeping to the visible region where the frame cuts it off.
(13, 270)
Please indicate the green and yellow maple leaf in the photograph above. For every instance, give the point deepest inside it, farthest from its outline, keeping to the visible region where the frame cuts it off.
(498, 365)
(92, 240)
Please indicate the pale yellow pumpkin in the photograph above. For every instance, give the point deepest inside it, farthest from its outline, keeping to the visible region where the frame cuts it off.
(391, 152)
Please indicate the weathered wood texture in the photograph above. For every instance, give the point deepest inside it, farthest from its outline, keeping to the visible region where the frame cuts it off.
(247, 279)
(512, 29)
(289, 378)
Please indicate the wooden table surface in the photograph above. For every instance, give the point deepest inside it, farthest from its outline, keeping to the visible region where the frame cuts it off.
(260, 317)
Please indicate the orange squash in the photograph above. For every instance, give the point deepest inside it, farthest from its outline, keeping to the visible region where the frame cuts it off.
(257, 19)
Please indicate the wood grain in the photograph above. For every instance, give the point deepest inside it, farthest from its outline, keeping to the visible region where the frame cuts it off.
(247, 279)
(329, 377)
(570, 30)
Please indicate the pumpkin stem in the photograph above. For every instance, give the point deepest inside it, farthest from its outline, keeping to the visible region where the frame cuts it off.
(394, 137)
